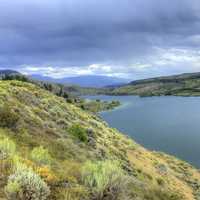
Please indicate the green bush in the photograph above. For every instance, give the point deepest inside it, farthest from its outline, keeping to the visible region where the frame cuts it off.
(12, 189)
(105, 179)
(160, 181)
(78, 132)
(41, 156)
(26, 185)
(8, 118)
(7, 148)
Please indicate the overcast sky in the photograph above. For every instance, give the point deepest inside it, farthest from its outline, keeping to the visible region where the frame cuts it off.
(126, 38)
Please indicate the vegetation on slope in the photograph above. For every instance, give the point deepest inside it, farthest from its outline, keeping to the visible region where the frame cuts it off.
(65, 90)
(99, 105)
(69, 93)
(180, 85)
(50, 149)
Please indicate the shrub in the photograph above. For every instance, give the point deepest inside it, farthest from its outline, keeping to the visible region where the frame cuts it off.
(7, 148)
(46, 174)
(160, 181)
(105, 179)
(25, 184)
(8, 118)
(69, 100)
(12, 189)
(41, 156)
(79, 132)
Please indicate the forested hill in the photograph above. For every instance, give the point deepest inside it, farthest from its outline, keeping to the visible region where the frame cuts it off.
(181, 85)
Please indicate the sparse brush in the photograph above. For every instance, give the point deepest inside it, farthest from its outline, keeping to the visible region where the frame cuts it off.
(75, 193)
(7, 148)
(41, 156)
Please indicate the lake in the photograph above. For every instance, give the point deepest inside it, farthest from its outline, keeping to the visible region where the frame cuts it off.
(169, 124)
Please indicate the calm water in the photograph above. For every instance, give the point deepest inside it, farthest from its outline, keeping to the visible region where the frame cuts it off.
(168, 124)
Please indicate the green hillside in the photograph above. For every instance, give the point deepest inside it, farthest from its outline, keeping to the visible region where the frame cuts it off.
(51, 149)
(180, 85)
(71, 93)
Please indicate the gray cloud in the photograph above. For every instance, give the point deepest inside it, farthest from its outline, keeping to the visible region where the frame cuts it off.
(81, 33)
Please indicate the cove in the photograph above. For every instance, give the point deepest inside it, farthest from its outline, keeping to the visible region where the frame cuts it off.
(168, 123)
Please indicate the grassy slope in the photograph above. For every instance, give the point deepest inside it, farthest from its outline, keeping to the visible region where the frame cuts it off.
(44, 119)
(70, 92)
(181, 85)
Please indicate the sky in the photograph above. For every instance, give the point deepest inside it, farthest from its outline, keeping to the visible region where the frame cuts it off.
(133, 39)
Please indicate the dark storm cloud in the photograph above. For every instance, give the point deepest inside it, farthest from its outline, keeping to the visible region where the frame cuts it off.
(80, 33)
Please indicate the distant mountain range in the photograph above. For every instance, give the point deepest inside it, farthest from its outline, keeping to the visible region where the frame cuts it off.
(84, 81)
(57, 87)
(187, 84)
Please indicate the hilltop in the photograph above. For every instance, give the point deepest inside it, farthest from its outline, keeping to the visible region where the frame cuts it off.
(71, 154)
(8, 72)
(181, 85)
(70, 93)
(48, 83)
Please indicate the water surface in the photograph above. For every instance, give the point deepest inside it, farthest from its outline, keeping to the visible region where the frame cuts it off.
(168, 124)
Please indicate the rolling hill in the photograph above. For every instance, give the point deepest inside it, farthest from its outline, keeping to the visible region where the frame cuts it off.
(50, 149)
(181, 85)
(8, 72)
(51, 84)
